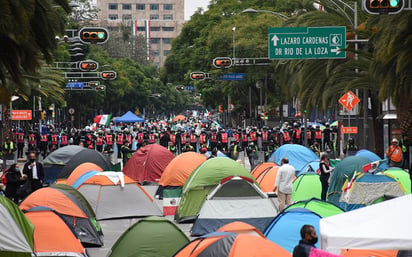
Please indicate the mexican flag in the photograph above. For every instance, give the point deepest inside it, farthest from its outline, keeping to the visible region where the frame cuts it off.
(103, 119)
(171, 200)
(372, 166)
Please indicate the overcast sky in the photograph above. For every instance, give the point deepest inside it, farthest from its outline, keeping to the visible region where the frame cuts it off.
(192, 5)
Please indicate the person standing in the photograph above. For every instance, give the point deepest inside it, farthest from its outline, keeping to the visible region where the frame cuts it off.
(34, 172)
(283, 185)
(126, 152)
(325, 171)
(394, 154)
(14, 178)
(8, 149)
(308, 240)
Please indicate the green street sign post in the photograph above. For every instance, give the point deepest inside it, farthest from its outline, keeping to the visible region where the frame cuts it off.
(307, 43)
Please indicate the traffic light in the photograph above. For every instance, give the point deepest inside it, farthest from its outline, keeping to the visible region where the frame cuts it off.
(222, 62)
(42, 115)
(93, 35)
(88, 65)
(220, 108)
(180, 88)
(108, 75)
(383, 6)
(198, 94)
(197, 75)
(94, 84)
(101, 88)
(264, 115)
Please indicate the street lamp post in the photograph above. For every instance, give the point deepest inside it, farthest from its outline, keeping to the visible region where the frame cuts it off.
(251, 10)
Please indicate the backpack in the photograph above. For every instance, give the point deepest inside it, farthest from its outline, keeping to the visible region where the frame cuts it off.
(3, 178)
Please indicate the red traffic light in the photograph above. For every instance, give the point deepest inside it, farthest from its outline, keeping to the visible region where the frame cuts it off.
(93, 35)
(88, 65)
(180, 88)
(383, 6)
(197, 76)
(108, 75)
(222, 62)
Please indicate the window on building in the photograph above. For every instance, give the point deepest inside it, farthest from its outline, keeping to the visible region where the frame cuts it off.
(154, 28)
(154, 16)
(168, 17)
(155, 40)
(155, 53)
(113, 17)
(167, 7)
(154, 7)
(168, 28)
(126, 17)
(141, 28)
(167, 41)
(140, 6)
(112, 6)
(127, 6)
(166, 52)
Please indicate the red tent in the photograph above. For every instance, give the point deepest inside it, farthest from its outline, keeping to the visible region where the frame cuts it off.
(148, 163)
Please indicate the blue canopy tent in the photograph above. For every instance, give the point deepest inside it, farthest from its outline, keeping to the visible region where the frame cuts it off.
(372, 157)
(129, 117)
(298, 156)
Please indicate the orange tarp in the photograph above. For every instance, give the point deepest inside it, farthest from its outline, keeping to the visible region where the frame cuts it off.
(265, 175)
(54, 199)
(52, 235)
(240, 227)
(80, 170)
(180, 168)
(367, 253)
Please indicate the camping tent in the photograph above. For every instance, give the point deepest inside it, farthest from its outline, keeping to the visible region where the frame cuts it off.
(374, 253)
(52, 236)
(202, 181)
(80, 170)
(285, 227)
(265, 175)
(129, 117)
(306, 186)
(312, 166)
(344, 169)
(401, 176)
(151, 236)
(234, 199)
(240, 227)
(322, 208)
(179, 118)
(87, 155)
(298, 155)
(75, 212)
(372, 157)
(113, 195)
(148, 163)
(379, 226)
(233, 245)
(16, 231)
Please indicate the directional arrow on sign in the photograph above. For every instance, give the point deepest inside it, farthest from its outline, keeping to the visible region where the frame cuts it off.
(275, 40)
(336, 50)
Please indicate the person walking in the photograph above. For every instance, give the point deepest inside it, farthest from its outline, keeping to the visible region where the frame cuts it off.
(34, 172)
(325, 171)
(283, 185)
(394, 154)
(308, 240)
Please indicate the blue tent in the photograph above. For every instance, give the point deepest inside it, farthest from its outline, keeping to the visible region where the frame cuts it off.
(311, 166)
(285, 227)
(298, 155)
(372, 157)
(129, 117)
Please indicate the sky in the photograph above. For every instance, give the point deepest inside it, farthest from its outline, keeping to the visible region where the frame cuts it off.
(192, 5)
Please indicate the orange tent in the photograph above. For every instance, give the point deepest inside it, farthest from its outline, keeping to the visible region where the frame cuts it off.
(80, 170)
(179, 169)
(265, 175)
(232, 245)
(240, 227)
(367, 253)
(179, 118)
(52, 237)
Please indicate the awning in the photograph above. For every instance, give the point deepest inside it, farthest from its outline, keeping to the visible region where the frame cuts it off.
(390, 116)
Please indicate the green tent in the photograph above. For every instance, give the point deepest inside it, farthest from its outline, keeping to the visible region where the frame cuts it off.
(150, 237)
(16, 231)
(202, 181)
(306, 186)
(322, 208)
(344, 169)
(401, 176)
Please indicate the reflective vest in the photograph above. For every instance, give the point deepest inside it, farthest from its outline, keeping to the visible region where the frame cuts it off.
(99, 141)
(119, 139)
(54, 139)
(236, 137)
(297, 133)
(140, 138)
(43, 138)
(244, 137)
(128, 138)
(20, 137)
(31, 139)
(193, 138)
(253, 136)
(152, 138)
(89, 139)
(394, 153)
(318, 134)
(173, 138)
(286, 136)
(109, 139)
(63, 140)
(265, 136)
(309, 134)
(213, 138)
(202, 138)
(224, 138)
(276, 138)
(183, 139)
(15, 137)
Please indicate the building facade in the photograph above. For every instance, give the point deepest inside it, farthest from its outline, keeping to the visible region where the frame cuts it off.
(166, 18)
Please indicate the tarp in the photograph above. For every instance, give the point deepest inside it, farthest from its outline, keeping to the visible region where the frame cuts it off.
(148, 163)
(265, 175)
(129, 117)
(379, 226)
(372, 157)
(150, 237)
(298, 155)
(16, 231)
(234, 199)
(322, 208)
(202, 181)
(306, 186)
(402, 176)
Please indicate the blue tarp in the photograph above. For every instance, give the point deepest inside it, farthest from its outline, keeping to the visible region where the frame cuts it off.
(372, 157)
(83, 178)
(298, 155)
(129, 117)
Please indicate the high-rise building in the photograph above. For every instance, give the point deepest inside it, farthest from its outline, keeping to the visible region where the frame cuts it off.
(160, 21)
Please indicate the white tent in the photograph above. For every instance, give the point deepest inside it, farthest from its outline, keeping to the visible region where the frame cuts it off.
(384, 225)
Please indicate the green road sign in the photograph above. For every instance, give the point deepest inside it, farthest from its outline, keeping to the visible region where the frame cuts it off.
(307, 43)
